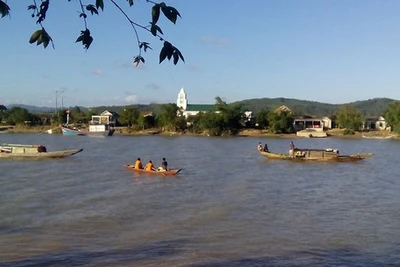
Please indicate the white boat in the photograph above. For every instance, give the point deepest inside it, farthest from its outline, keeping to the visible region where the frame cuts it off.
(33, 151)
(102, 125)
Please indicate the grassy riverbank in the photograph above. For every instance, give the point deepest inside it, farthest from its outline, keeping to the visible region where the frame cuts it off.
(338, 133)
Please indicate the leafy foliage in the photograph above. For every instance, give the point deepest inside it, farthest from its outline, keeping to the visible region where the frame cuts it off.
(392, 115)
(280, 122)
(349, 117)
(4, 9)
(168, 51)
(261, 118)
(17, 115)
(129, 116)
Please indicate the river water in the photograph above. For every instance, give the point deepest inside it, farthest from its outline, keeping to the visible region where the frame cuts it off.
(228, 207)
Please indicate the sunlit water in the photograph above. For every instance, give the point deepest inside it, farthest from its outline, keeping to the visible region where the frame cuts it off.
(228, 207)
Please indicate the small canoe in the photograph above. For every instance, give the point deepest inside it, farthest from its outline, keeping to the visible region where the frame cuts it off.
(166, 173)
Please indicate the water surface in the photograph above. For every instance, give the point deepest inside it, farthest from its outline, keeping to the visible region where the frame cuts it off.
(228, 207)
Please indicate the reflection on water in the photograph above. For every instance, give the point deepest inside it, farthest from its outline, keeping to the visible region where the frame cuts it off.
(228, 207)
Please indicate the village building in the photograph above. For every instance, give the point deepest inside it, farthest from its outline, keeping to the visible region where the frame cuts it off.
(375, 123)
(191, 109)
(194, 109)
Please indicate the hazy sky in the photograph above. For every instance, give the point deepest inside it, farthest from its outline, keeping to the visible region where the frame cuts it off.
(323, 50)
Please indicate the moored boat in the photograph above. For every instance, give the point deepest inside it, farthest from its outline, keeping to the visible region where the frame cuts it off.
(378, 136)
(168, 172)
(306, 154)
(33, 151)
(70, 131)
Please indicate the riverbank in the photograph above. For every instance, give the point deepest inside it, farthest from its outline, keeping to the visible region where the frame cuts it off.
(334, 133)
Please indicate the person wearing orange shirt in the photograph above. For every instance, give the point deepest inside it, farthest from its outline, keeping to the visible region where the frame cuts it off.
(138, 164)
(150, 166)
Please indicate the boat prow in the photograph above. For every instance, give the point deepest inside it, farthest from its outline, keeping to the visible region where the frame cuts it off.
(165, 173)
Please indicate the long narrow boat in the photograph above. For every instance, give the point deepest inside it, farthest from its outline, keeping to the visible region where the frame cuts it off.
(33, 151)
(378, 137)
(166, 173)
(324, 155)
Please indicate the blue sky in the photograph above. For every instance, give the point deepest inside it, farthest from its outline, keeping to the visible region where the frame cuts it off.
(322, 50)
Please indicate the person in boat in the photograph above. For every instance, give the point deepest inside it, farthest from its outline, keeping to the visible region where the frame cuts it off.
(291, 149)
(138, 164)
(266, 148)
(260, 147)
(150, 166)
(164, 165)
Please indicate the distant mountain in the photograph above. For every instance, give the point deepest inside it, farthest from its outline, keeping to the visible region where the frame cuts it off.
(368, 108)
(32, 109)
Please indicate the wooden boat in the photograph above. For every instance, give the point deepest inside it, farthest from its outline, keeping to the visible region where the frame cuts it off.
(33, 151)
(324, 155)
(70, 131)
(166, 173)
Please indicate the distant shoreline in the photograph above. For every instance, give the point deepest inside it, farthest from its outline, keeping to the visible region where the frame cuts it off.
(125, 131)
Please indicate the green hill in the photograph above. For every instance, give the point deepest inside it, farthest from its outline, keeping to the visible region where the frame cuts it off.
(370, 107)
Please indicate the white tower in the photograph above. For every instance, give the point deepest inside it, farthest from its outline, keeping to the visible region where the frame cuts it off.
(182, 101)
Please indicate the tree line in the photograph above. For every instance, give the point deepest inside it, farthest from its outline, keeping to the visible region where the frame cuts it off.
(225, 119)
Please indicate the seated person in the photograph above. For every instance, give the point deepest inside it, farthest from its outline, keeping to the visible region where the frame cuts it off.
(150, 166)
(260, 147)
(266, 148)
(138, 164)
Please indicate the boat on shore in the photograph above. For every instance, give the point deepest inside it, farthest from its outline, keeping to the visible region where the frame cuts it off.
(33, 151)
(166, 173)
(323, 155)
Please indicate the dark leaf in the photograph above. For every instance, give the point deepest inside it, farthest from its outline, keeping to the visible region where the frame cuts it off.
(180, 54)
(31, 7)
(44, 6)
(35, 36)
(171, 13)
(83, 15)
(85, 39)
(176, 57)
(100, 4)
(92, 9)
(130, 2)
(79, 39)
(4, 9)
(145, 46)
(166, 51)
(154, 29)
(155, 13)
(137, 60)
(46, 38)
(163, 54)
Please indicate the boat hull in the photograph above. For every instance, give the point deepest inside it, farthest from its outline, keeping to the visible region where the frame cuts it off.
(338, 158)
(73, 132)
(165, 173)
(41, 155)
